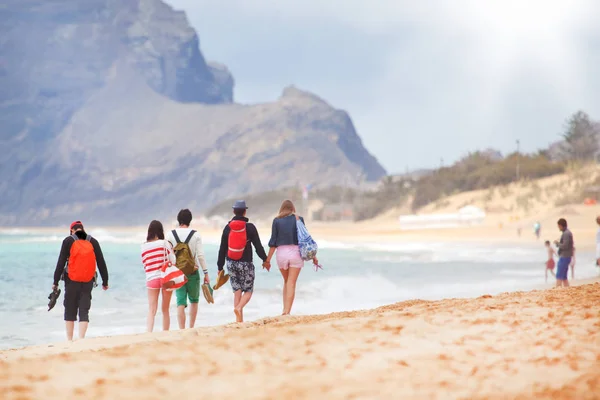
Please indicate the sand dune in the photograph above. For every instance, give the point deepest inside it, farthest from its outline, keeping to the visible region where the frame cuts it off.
(516, 345)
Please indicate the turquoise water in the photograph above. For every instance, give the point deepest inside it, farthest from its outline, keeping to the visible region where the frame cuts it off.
(354, 277)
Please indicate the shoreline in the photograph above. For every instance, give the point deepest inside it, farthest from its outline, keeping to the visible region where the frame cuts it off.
(158, 335)
(518, 344)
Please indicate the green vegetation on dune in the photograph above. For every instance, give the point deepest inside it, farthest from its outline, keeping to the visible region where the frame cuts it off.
(478, 171)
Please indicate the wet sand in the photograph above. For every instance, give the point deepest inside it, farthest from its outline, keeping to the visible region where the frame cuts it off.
(538, 344)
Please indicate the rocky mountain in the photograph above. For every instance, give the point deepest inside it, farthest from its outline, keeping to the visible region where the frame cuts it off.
(110, 112)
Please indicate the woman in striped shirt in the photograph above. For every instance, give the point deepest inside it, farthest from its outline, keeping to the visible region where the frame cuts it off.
(155, 252)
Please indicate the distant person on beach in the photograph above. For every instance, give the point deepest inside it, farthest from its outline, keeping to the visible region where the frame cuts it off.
(155, 252)
(189, 254)
(550, 264)
(284, 239)
(572, 265)
(236, 248)
(565, 253)
(80, 254)
(537, 229)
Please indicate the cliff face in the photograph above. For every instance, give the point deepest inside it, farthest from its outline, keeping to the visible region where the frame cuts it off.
(54, 54)
(108, 110)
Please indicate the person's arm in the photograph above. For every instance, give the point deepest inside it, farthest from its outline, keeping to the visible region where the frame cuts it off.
(255, 239)
(170, 253)
(562, 244)
(274, 232)
(200, 260)
(65, 250)
(223, 248)
(100, 262)
(270, 255)
(272, 241)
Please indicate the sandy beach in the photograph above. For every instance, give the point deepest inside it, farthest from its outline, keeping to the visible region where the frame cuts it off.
(538, 344)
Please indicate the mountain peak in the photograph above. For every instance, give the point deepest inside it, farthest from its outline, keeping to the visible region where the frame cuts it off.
(291, 92)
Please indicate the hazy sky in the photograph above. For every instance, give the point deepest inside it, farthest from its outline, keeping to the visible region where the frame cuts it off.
(421, 80)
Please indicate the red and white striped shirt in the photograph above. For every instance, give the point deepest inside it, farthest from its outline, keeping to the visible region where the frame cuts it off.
(154, 255)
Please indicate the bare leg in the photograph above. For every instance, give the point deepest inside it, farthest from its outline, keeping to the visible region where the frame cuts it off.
(193, 314)
(285, 274)
(83, 325)
(152, 307)
(546, 275)
(241, 304)
(70, 325)
(166, 302)
(237, 295)
(573, 271)
(566, 283)
(181, 316)
(291, 288)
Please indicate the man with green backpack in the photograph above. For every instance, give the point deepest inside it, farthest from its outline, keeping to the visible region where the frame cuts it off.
(187, 246)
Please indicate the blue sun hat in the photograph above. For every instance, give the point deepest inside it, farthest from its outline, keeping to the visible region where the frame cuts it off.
(240, 205)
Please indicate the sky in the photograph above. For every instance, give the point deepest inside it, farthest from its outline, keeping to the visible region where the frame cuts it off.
(424, 82)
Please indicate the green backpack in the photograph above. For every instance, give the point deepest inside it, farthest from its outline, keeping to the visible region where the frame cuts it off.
(183, 255)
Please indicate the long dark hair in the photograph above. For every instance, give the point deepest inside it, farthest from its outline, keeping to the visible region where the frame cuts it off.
(155, 230)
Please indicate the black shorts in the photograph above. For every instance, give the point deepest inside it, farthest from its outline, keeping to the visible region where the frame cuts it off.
(78, 300)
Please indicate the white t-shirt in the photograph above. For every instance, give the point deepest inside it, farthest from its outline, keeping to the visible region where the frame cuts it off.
(195, 244)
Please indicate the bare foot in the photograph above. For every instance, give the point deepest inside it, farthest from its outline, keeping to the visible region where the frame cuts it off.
(238, 315)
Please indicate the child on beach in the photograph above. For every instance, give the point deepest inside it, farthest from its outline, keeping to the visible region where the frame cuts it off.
(550, 261)
(572, 265)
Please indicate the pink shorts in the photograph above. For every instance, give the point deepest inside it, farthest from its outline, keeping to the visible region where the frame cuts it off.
(288, 256)
(154, 284)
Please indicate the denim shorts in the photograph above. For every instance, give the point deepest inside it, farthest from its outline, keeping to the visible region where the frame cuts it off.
(563, 268)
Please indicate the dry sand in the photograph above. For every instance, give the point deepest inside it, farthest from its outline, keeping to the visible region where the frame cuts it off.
(539, 344)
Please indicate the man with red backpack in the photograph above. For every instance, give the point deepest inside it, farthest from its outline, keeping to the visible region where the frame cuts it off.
(79, 255)
(236, 247)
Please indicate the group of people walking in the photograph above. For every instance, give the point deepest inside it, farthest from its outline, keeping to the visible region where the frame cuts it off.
(182, 247)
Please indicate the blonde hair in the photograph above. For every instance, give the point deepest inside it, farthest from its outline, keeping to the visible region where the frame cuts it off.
(287, 208)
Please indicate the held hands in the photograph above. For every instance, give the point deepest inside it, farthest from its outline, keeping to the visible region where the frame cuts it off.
(267, 265)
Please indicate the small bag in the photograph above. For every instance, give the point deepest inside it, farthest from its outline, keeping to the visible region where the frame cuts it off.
(171, 277)
(308, 247)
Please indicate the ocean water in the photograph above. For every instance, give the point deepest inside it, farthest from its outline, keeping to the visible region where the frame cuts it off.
(354, 277)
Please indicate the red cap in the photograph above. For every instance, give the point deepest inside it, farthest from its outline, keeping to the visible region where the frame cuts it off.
(75, 223)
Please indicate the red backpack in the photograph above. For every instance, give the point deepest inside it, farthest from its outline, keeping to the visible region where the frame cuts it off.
(237, 240)
(82, 260)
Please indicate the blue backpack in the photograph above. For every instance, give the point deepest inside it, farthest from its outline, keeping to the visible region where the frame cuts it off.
(308, 247)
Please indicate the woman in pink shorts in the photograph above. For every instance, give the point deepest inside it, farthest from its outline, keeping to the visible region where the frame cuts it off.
(155, 252)
(284, 239)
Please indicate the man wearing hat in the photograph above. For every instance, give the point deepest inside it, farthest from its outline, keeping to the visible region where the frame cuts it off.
(236, 247)
(80, 254)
